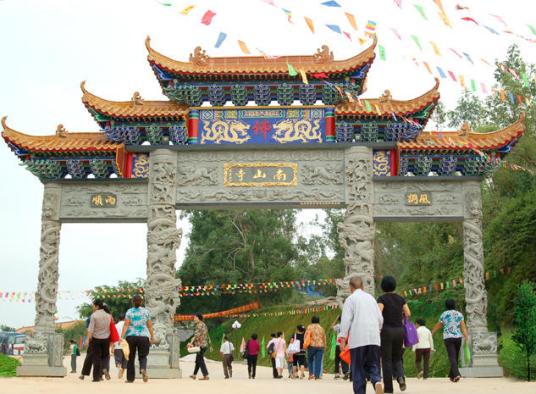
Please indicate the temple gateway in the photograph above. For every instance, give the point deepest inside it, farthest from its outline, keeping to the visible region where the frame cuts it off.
(247, 132)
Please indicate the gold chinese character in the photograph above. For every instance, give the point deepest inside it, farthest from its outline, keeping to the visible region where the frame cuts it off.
(240, 175)
(423, 199)
(259, 174)
(97, 200)
(111, 200)
(413, 198)
(280, 175)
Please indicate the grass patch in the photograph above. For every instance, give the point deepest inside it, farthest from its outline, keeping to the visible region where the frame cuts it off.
(8, 366)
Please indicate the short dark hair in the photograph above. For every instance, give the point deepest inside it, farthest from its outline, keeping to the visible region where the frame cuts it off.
(137, 300)
(98, 303)
(279, 333)
(315, 319)
(254, 336)
(72, 341)
(420, 321)
(225, 338)
(106, 309)
(199, 316)
(450, 304)
(122, 316)
(301, 328)
(388, 284)
(272, 335)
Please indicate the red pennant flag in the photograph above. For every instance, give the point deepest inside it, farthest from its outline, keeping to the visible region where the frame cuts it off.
(468, 19)
(207, 18)
(319, 75)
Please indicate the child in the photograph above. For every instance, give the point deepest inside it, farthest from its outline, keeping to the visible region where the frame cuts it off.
(226, 351)
(423, 348)
(292, 349)
(74, 353)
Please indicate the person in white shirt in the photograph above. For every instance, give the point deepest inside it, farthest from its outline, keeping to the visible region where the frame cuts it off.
(120, 359)
(361, 323)
(226, 350)
(423, 348)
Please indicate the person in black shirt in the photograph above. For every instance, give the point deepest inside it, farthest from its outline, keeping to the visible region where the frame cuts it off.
(299, 358)
(393, 308)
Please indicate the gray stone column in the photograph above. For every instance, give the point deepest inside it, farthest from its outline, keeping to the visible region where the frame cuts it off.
(44, 349)
(356, 233)
(163, 239)
(483, 343)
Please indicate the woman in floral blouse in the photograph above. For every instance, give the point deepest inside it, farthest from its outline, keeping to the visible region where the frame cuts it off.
(200, 339)
(316, 336)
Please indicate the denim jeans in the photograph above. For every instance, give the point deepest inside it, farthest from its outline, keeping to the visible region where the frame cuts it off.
(365, 364)
(314, 359)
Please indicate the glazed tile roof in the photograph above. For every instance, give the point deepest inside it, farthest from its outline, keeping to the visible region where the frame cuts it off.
(202, 64)
(386, 106)
(62, 141)
(136, 108)
(466, 139)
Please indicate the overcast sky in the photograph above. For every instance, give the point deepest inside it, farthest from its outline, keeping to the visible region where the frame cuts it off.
(49, 46)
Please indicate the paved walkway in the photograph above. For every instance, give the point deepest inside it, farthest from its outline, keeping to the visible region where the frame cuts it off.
(240, 384)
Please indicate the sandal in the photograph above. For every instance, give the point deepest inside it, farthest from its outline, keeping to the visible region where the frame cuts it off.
(204, 378)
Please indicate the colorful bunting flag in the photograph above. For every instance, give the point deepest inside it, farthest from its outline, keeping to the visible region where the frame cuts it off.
(468, 19)
(309, 23)
(427, 66)
(263, 348)
(532, 29)
(207, 17)
(291, 70)
(221, 38)
(367, 106)
(473, 85)
(381, 51)
(491, 30)
(351, 20)
(442, 14)
(271, 2)
(333, 346)
(483, 87)
(289, 14)
(461, 78)
(243, 47)
(187, 10)
(303, 76)
(417, 42)
(331, 3)
(420, 10)
(500, 19)
(435, 48)
(319, 75)
(452, 75)
(335, 28)
(398, 3)
(397, 34)
(347, 35)
(468, 57)
(370, 29)
(441, 72)
(166, 4)
(455, 52)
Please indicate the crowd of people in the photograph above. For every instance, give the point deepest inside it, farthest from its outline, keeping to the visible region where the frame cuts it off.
(372, 334)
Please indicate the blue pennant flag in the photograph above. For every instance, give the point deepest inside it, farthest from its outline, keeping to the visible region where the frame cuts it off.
(441, 73)
(221, 39)
(468, 57)
(331, 3)
(335, 28)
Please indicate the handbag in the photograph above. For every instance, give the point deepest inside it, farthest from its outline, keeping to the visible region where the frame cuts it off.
(467, 353)
(344, 355)
(410, 333)
(194, 349)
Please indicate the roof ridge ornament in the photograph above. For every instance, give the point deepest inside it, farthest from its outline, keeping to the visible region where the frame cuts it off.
(465, 129)
(199, 57)
(61, 131)
(136, 98)
(386, 96)
(323, 55)
(4, 123)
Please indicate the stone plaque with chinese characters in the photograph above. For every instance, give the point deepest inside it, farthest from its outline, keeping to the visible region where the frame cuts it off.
(260, 174)
(103, 200)
(419, 199)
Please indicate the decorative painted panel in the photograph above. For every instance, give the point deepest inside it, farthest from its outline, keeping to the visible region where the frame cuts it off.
(381, 163)
(268, 125)
(260, 174)
(140, 165)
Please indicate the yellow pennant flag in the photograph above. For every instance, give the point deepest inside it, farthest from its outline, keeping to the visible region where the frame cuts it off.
(243, 47)
(310, 24)
(187, 10)
(304, 77)
(462, 80)
(351, 19)
(361, 40)
(435, 48)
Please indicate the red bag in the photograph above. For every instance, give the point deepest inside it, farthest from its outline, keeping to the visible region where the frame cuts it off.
(345, 355)
(114, 335)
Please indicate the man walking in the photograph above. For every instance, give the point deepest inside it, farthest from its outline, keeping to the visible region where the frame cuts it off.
(361, 323)
(226, 351)
(99, 334)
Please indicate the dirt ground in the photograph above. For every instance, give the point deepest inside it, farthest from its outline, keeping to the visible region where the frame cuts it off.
(240, 384)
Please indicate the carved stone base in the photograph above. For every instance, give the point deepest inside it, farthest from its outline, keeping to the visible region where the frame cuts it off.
(483, 371)
(36, 364)
(158, 366)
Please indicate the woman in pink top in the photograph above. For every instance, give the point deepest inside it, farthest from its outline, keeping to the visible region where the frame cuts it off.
(252, 352)
(280, 354)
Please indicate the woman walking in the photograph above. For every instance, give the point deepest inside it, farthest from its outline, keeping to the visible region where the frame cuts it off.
(454, 329)
(138, 330)
(280, 349)
(315, 338)
(200, 339)
(252, 353)
(394, 308)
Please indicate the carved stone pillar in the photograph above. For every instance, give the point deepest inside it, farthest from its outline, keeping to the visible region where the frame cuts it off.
(44, 346)
(483, 343)
(356, 233)
(163, 240)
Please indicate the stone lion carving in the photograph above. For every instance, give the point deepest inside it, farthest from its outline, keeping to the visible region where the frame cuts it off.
(199, 57)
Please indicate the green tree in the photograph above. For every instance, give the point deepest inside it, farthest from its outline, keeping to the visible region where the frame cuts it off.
(118, 298)
(4, 327)
(238, 246)
(525, 321)
(439, 117)
(468, 109)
